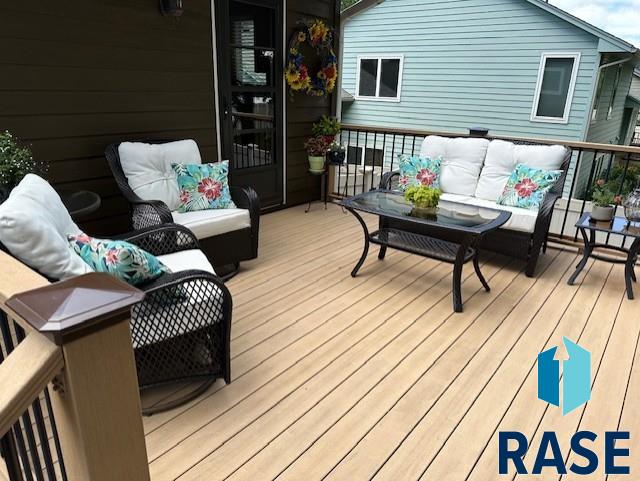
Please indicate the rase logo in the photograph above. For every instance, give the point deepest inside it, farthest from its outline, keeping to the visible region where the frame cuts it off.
(576, 381)
(576, 391)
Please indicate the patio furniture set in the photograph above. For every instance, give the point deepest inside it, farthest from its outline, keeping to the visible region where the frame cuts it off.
(469, 219)
(181, 330)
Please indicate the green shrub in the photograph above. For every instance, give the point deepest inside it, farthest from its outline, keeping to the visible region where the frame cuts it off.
(326, 126)
(16, 161)
(422, 196)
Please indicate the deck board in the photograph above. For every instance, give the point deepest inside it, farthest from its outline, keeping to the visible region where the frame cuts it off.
(376, 378)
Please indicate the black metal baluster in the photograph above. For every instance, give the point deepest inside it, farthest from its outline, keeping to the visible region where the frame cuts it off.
(54, 431)
(9, 453)
(413, 146)
(364, 161)
(589, 182)
(573, 184)
(393, 151)
(355, 167)
(384, 154)
(373, 158)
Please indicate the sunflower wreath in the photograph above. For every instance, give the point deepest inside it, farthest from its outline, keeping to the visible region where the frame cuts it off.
(299, 79)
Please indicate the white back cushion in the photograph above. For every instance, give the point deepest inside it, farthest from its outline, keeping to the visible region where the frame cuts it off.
(148, 168)
(462, 160)
(34, 224)
(502, 158)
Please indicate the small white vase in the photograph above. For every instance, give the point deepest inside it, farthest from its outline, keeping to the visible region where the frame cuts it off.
(603, 214)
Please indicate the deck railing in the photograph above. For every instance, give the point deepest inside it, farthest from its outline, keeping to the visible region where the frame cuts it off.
(372, 151)
(69, 401)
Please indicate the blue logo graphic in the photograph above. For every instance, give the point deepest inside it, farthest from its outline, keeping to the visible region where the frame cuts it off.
(576, 380)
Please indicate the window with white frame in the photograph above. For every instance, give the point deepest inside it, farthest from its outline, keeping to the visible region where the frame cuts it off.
(616, 85)
(379, 77)
(554, 90)
(357, 155)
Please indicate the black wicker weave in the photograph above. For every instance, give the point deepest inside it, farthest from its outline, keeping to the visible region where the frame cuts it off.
(181, 331)
(511, 243)
(223, 250)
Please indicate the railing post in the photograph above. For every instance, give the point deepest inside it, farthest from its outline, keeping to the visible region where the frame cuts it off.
(96, 400)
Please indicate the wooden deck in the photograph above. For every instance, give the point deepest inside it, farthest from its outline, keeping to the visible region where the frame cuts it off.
(376, 378)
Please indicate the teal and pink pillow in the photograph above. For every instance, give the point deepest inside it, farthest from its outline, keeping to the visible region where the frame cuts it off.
(119, 258)
(415, 170)
(203, 186)
(527, 187)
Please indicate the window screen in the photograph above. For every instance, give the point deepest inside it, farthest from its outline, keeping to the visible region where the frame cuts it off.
(390, 68)
(556, 82)
(368, 77)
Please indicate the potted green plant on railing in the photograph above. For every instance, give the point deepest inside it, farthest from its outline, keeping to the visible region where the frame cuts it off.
(424, 199)
(317, 148)
(604, 201)
(327, 127)
(16, 161)
(337, 153)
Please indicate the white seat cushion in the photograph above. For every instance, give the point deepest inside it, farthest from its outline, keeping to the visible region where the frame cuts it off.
(34, 224)
(148, 168)
(522, 220)
(192, 259)
(212, 222)
(462, 160)
(502, 158)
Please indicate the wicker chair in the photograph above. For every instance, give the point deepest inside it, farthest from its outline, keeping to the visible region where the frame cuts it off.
(181, 330)
(521, 245)
(226, 250)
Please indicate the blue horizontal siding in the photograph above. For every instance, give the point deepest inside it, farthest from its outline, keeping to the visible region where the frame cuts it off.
(466, 63)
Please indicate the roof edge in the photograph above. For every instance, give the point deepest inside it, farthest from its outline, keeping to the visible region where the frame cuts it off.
(358, 7)
(586, 26)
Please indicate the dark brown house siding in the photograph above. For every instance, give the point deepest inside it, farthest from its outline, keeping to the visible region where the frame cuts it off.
(80, 74)
(303, 110)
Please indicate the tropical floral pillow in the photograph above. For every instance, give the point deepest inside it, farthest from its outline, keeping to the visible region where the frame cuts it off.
(119, 258)
(527, 187)
(203, 186)
(416, 170)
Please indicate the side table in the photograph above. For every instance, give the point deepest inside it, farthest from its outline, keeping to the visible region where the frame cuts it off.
(620, 226)
(324, 179)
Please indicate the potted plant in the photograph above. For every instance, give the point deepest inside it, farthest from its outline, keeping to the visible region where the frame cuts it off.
(604, 202)
(337, 153)
(316, 150)
(327, 127)
(424, 199)
(16, 161)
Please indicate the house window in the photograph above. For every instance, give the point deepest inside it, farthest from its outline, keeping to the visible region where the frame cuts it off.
(379, 77)
(616, 84)
(555, 87)
(596, 102)
(364, 157)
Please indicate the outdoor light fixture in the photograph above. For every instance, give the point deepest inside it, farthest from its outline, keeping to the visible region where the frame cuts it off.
(171, 8)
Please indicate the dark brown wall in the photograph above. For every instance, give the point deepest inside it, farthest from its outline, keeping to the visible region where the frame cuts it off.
(76, 75)
(303, 110)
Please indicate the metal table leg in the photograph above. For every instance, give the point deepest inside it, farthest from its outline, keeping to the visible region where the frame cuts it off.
(457, 275)
(629, 274)
(365, 251)
(589, 242)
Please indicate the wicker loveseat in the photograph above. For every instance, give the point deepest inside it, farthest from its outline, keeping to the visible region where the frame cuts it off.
(179, 332)
(143, 173)
(475, 171)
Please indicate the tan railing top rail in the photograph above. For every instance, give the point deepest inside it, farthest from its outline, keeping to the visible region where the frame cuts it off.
(35, 361)
(587, 146)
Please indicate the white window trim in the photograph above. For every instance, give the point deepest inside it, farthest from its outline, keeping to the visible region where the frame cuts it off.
(572, 86)
(379, 58)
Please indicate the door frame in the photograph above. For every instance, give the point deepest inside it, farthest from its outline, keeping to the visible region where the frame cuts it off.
(216, 92)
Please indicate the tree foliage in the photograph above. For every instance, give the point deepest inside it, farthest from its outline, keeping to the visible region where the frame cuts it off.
(347, 3)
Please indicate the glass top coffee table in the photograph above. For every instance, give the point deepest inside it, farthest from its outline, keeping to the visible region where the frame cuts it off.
(618, 226)
(451, 234)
